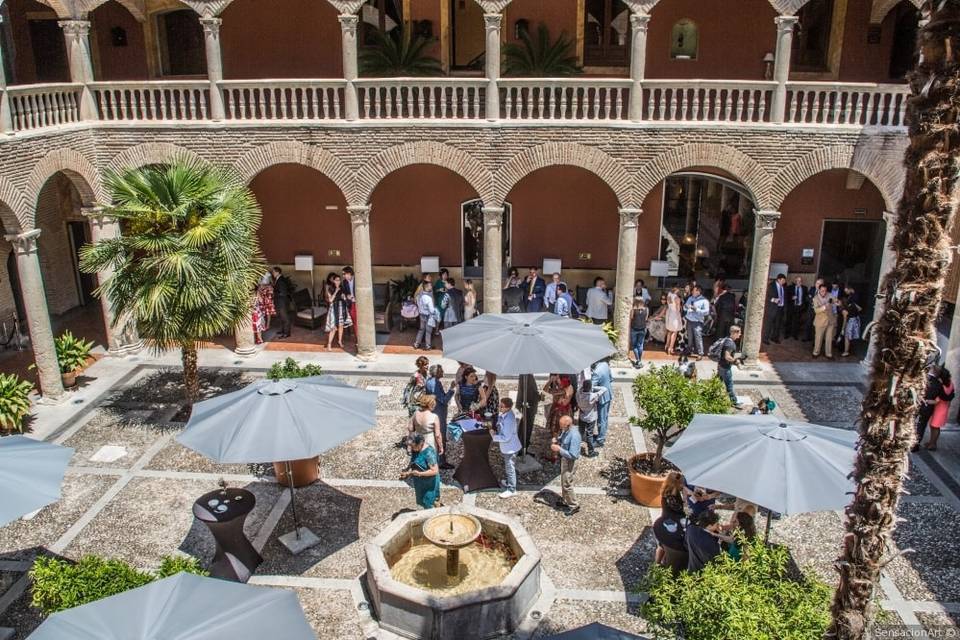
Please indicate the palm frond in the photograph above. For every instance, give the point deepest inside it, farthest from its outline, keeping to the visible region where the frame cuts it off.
(398, 53)
(540, 56)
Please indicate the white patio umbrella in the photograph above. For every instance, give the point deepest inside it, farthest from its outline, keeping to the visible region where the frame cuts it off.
(783, 465)
(183, 607)
(279, 421)
(31, 472)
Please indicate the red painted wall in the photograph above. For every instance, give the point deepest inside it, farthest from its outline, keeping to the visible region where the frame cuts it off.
(22, 64)
(118, 63)
(822, 197)
(734, 37)
(860, 60)
(558, 16)
(416, 212)
(559, 212)
(281, 39)
(427, 10)
(293, 199)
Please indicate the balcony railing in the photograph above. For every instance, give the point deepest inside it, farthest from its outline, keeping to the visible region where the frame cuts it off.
(586, 100)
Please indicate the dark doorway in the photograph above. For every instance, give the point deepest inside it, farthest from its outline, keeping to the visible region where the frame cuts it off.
(49, 51)
(85, 281)
(182, 50)
(811, 40)
(14, 276)
(606, 36)
(906, 23)
(472, 216)
(850, 253)
(467, 36)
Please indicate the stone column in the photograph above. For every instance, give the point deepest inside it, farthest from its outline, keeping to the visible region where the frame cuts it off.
(887, 261)
(493, 22)
(781, 65)
(38, 318)
(766, 222)
(348, 27)
(6, 122)
(492, 259)
(363, 282)
(639, 22)
(211, 39)
(122, 337)
(77, 34)
(626, 271)
(245, 344)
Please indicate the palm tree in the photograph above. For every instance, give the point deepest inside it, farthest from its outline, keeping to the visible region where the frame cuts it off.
(905, 332)
(187, 260)
(398, 53)
(540, 58)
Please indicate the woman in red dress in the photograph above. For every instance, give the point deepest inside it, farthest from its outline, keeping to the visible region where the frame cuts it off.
(560, 388)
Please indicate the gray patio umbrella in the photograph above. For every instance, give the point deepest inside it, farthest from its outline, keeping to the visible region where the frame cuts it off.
(595, 631)
(517, 343)
(184, 607)
(280, 421)
(31, 472)
(785, 466)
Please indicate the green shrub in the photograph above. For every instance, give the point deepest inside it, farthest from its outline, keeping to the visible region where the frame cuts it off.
(14, 402)
(61, 584)
(290, 368)
(750, 599)
(72, 353)
(669, 400)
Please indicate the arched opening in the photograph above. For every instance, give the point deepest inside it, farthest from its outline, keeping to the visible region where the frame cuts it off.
(472, 219)
(905, 19)
(180, 43)
(569, 214)
(15, 354)
(606, 33)
(706, 229)
(36, 41)
(117, 43)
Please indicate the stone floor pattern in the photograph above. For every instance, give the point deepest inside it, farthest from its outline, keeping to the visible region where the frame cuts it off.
(129, 490)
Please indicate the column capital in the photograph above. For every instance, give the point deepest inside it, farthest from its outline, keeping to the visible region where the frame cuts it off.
(890, 218)
(211, 25)
(359, 214)
(786, 23)
(493, 6)
(493, 217)
(766, 219)
(629, 217)
(348, 22)
(493, 21)
(640, 21)
(24, 243)
(75, 28)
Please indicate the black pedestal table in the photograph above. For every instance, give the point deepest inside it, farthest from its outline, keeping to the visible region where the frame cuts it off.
(224, 511)
(474, 472)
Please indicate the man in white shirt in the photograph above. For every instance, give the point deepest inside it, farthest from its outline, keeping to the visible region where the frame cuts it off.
(599, 301)
(505, 433)
(550, 295)
(428, 316)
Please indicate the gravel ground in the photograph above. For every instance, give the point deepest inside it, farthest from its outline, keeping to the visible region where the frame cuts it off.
(176, 457)
(331, 613)
(21, 617)
(916, 484)
(565, 615)
(832, 406)
(165, 386)
(930, 571)
(813, 540)
(940, 625)
(115, 428)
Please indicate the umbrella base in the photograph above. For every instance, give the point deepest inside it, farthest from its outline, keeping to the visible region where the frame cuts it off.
(297, 545)
(528, 464)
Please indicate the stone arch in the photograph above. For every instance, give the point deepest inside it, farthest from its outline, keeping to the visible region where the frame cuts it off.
(75, 166)
(151, 153)
(15, 212)
(435, 153)
(782, 7)
(887, 176)
(137, 8)
(880, 9)
(744, 168)
(291, 152)
(550, 154)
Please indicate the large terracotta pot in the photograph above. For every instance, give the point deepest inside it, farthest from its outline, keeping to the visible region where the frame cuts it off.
(69, 379)
(645, 489)
(306, 471)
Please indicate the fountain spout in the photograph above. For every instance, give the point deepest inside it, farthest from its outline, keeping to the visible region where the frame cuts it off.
(452, 532)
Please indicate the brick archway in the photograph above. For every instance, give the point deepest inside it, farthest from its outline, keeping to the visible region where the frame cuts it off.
(565, 153)
(885, 175)
(15, 211)
(76, 167)
(880, 9)
(256, 160)
(433, 153)
(744, 168)
(151, 153)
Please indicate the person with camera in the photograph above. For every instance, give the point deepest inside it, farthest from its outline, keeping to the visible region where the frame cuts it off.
(824, 321)
(727, 357)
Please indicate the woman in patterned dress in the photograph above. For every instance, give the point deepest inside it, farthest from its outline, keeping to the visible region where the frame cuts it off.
(338, 310)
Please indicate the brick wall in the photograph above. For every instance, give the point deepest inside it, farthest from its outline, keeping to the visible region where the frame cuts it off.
(57, 202)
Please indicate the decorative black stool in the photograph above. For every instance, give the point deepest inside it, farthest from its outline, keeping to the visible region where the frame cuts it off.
(224, 511)
(474, 472)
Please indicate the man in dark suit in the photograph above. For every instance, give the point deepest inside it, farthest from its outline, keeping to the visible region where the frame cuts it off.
(797, 303)
(282, 295)
(776, 301)
(534, 287)
(455, 304)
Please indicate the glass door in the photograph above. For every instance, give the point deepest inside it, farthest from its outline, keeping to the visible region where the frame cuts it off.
(606, 36)
(472, 219)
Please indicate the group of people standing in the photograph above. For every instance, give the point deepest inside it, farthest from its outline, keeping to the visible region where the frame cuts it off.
(440, 304)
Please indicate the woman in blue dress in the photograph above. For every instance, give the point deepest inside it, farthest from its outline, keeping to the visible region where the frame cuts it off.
(424, 471)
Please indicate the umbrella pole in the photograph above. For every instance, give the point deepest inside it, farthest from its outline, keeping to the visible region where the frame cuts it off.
(766, 535)
(522, 390)
(293, 501)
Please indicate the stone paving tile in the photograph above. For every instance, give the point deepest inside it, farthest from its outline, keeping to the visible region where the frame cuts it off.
(565, 615)
(608, 545)
(344, 518)
(813, 538)
(176, 457)
(331, 613)
(111, 427)
(156, 519)
(20, 539)
(930, 571)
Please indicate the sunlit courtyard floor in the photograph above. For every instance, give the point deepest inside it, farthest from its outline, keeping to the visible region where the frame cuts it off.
(135, 504)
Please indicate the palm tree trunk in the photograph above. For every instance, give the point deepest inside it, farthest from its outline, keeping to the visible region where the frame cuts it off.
(191, 376)
(905, 332)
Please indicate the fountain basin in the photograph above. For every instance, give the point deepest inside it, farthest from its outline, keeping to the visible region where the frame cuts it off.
(477, 614)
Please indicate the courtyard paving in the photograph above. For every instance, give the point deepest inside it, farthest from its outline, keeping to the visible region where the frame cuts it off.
(130, 487)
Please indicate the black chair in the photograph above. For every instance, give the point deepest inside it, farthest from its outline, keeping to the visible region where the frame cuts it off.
(308, 314)
(382, 308)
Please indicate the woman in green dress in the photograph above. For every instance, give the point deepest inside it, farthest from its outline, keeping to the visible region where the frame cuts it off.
(425, 472)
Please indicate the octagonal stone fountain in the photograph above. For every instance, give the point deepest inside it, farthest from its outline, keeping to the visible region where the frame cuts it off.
(442, 574)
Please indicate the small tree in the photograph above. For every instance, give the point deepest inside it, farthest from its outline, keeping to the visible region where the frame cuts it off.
(398, 53)
(540, 57)
(669, 400)
(290, 368)
(187, 261)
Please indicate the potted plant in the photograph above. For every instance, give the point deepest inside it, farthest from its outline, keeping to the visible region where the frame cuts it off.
(72, 356)
(668, 400)
(14, 402)
(307, 470)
